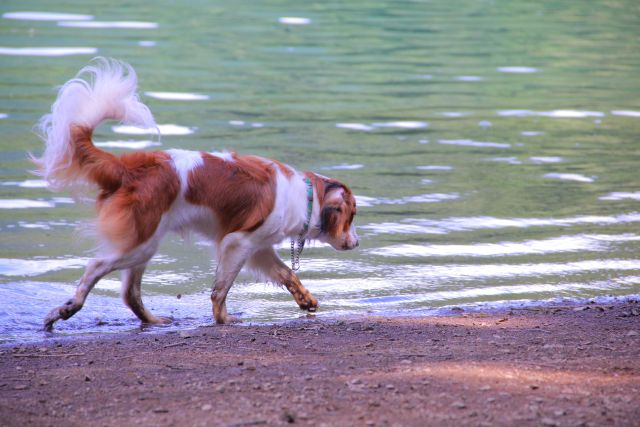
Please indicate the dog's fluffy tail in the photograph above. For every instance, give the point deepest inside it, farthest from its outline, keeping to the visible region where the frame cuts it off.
(103, 90)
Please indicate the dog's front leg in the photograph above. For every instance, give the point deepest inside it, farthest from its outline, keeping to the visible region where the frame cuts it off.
(268, 262)
(232, 254)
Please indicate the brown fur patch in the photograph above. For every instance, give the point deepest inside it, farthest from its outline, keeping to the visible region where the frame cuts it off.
(130, 215)
(241, 192)
(97, 166)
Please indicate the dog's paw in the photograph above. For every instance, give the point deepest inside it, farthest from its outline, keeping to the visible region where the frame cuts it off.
(310, 304)
(159, 320)
(63, 312)
(228, 320)
(51, 318)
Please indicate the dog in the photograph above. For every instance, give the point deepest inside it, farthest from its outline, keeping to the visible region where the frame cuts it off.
(243, 204)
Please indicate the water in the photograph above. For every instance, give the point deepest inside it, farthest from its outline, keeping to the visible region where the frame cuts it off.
(492, 146)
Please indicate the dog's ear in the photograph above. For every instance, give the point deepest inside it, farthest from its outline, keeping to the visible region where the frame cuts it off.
(329, 218)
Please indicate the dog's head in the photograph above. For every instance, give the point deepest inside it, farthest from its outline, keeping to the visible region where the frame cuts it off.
(337, 210)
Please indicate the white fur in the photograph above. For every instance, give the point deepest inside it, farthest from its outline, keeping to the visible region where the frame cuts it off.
(224, 155)
(105, 90)
(184, 162)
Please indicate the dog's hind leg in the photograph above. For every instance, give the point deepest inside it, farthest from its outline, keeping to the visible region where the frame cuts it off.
(132, 296)
(267, 262)
(94, 272)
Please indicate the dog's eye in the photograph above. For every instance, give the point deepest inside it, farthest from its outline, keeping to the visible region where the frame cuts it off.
(339, 210)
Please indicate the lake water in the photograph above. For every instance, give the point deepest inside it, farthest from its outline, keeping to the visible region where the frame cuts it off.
(493, 147)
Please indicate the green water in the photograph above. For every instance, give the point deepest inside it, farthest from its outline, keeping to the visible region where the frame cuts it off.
(492, 146)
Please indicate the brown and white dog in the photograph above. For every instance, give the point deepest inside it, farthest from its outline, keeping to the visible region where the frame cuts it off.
(243, 204)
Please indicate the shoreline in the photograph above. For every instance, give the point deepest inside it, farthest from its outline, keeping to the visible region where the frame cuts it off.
(487, 307)
(574, 364)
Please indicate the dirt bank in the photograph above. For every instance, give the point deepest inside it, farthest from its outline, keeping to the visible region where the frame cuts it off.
(565, 366)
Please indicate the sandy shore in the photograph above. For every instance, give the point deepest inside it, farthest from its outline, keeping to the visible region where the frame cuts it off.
(564, 366)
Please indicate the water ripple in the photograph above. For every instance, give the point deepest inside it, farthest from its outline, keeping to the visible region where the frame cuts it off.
(471, 143)
(46, 16)
(570, 177)
(518, 70)
(447, 225)
(131, 145)
(47, 51)
(24, 204)
(619, 195)
(138, 25)
(38, 266)
(177, 96)
(364, 201)
(167, 129)
(584, 243)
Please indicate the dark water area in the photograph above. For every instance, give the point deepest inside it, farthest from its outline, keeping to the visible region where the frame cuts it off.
(492, 146)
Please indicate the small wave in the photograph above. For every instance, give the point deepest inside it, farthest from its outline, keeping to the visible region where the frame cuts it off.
(518, 70)
(626, 113)
(131, 145)
(177, 96)
(591, 243)
(294, 20)
(456, 224)
(46, 16)
(401, 125)
(47, 51)
(620, 195)
(167, 129)
(471, 143)
(557, 114)
(364, 201)
(570, 177)
(344, 166)
(469, 78)
(24, 204)
(542, 159)
(137, 25)
(434, 168)
(355, 126)
(38, 266)
(29, 183)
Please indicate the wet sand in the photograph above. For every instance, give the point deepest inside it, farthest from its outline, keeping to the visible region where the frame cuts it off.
(542, 366)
